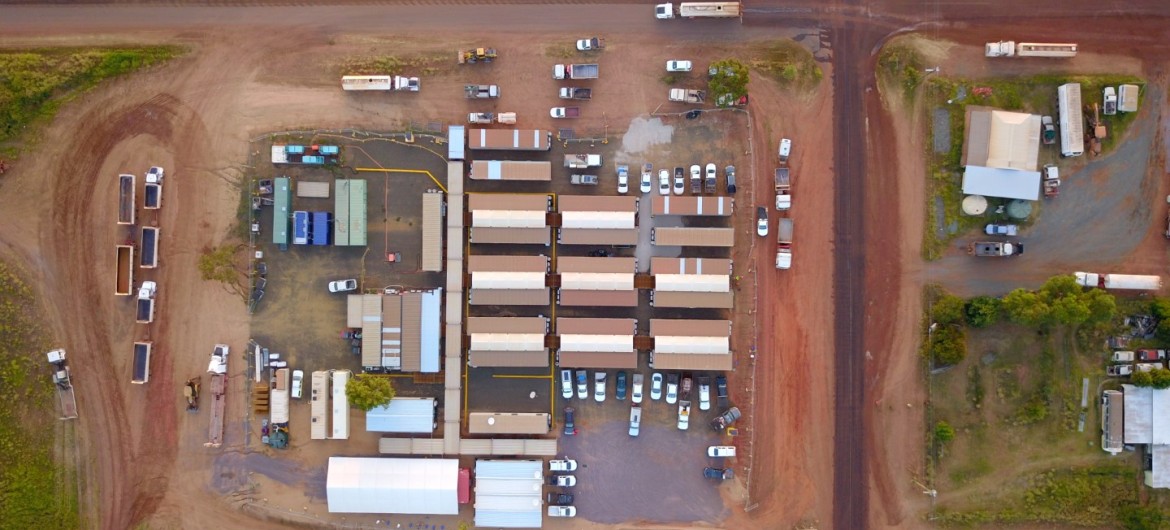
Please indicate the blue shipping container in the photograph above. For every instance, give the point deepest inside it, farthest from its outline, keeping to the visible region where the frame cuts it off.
(300, 228)
(322, 227)
(328, 150)
(295, 149)
(309, 159)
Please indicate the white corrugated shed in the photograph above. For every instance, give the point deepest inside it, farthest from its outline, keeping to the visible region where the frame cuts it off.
(1139, 411)
(692, 344)
(340, 406)
(507, 341)
(507, 280)
(1159, 474)
(319, 406)
(508, 219)
(597, 281)
(508, 493)
(609, 220)
(431, 324)
(393, 485)
(597, 343)
(692, 283)
(403, 415)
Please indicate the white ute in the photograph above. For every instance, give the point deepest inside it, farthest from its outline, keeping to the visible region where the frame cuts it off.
(567, 464)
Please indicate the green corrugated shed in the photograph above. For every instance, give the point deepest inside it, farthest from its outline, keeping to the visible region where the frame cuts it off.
(349, 215)
(282, 199)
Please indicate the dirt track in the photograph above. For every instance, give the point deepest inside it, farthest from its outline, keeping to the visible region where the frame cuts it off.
(195, 115)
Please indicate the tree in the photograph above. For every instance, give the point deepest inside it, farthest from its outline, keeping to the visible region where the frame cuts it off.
(982, 311)
(1059, 301)
(948, 309)
(366, 391)
(1142, 379)
(1135, 517)
(943, 432)
(1026, 307)
(1160, 378)
(219, 265)
(948, 345)
(730, 79)
(1102, 306)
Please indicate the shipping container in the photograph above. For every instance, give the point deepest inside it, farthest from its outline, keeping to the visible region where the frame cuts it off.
(301, 229)
(322, 228)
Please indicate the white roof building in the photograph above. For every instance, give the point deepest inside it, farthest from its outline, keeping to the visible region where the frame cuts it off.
(1001, 153)
(1147, 421)
(508, 493)
(393, 485)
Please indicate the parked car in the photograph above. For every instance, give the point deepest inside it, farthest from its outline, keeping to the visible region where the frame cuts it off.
(664, 182)
(710, 172)
(342, 286)
(621, 385)
(559, 499)
(1001, 230)
(679, 181)
(567, 384)
(656, 386)
(672, 388)
(567, 464)
(570, 425)
(599, 387)
(298, 380)
(562, 511)
(635, 420)
(718, 473)
(1151, 355)
(721, 391)
(636, 393)
(623, 182)
(564, 481)
(761, 221)
(1047, 130)
(645, 185)
(1119, 370)
(721, 451)
(730, 170)
(704, 393)
(582, 384)
(678, 66)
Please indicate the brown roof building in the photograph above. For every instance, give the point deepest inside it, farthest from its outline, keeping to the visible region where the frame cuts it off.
(597, 281)
(691, 344)
(696, 205)
(400, 330)
(597, 342)
(509, 218)
(598, 220)
(691, 283)
(508, 280)
(694, 237)
(507, 341)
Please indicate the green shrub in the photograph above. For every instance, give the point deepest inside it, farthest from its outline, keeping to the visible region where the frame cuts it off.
(948, 345)
(943, 432)
(948, 309)
(982, 311)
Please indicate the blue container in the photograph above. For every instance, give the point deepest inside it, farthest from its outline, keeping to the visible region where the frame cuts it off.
(329, 150)
(295, 149)
(301, 228)
(314, 160)
(322, 228)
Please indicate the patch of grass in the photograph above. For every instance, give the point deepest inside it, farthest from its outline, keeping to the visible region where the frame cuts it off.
(902, 66)
(35, 83)
(669, 79)
(789, 63)
(420, 64)
(560, 51)
(32, 493)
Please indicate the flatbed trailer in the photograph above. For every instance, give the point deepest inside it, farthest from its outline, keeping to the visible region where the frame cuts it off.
(126, 193)
(218, 393)
(149, 257)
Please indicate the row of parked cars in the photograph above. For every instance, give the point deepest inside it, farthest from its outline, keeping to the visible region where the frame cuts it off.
(1125, 361)
(702, 178)
(560, 503)
(660, 387)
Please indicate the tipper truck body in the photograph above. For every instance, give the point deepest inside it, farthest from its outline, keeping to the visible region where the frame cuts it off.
(146, 294)
(783, 189)
(126, 193)
(149, 256)
(124, 280)
(784, 243)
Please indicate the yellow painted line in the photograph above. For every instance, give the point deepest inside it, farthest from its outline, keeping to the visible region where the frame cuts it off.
(506, 376)
(391, 376)
(410, 171)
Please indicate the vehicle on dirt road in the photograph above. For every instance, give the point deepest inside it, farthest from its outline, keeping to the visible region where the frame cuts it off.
(784, 230)
(762, 221)
(726, 419)
(591, 44)
(709, 181)
(678, 66)
(783, 189)
(146, 294)
(477, 55)
(565, 112)
(567, 384)
(704, 393)
(562, 511)
(721, 451)
(583, 180)
(569, 92)
(684, 415)
(298, 380)
(995, 249)
(563, 481)
(635, 420)
(576, 71)
(721, 391)
(1119, 370)
(559, 499)
(623, 174)
(718, 473)
(481, 91)
(656, 386)
(342, 286)
(684, 95)
(570, 425)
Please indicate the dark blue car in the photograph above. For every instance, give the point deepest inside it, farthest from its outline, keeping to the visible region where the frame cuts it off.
(621, 385)
(570, 426)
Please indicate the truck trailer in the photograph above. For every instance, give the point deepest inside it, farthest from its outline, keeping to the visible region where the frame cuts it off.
(141, 362)
(1072, 120)
(149, 256)
(1119, 281)
(576, 71)
(1030, 49)
(1127, 96)
(126, 193)
(146, 294)
(698, 10)
(509, 139)
(124, 274)
(783, 189)
(784, 243)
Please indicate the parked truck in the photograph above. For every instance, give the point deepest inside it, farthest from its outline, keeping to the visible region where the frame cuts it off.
(141, 362)
(783, 189)
(126, 193)
(585, 180)
(694, 97)
(1110, 100)
(152, 195)
(218, 370)
(576, 71)
(698, 10)
(565, 112)
(726, 419)
(582, 161)
(995, 249)
(379, 83)
(146, 294)
(784, 243)
(507, 118)
(1119, 281)
(684, 415)
(709, 182)
(568, 92)
(149, 256)
(1030, 49)
(124, 274)
(591, 44)
(406, 84)
(481, 91)
(64, 384)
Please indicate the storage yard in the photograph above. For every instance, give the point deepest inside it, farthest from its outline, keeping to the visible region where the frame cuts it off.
(587, 284)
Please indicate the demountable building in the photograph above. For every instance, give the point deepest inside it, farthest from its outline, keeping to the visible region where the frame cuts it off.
(393, 485)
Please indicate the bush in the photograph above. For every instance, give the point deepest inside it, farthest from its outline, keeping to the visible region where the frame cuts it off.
(1059, 301)
(943, 432)
(1160, 378)
(1142, 379)
(948, 309)
(731, 78)
(948, 345)
(1142, 518)
(982, 311)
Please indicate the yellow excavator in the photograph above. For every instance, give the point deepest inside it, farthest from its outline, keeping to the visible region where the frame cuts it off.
(477, 55)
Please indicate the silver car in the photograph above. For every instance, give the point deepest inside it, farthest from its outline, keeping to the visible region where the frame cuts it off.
(599, 387)
(656, 386)
(636, 394)
(664, 182)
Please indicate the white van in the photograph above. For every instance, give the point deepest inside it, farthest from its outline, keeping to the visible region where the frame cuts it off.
(635, 420)
(721, 451)
(567, 384)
